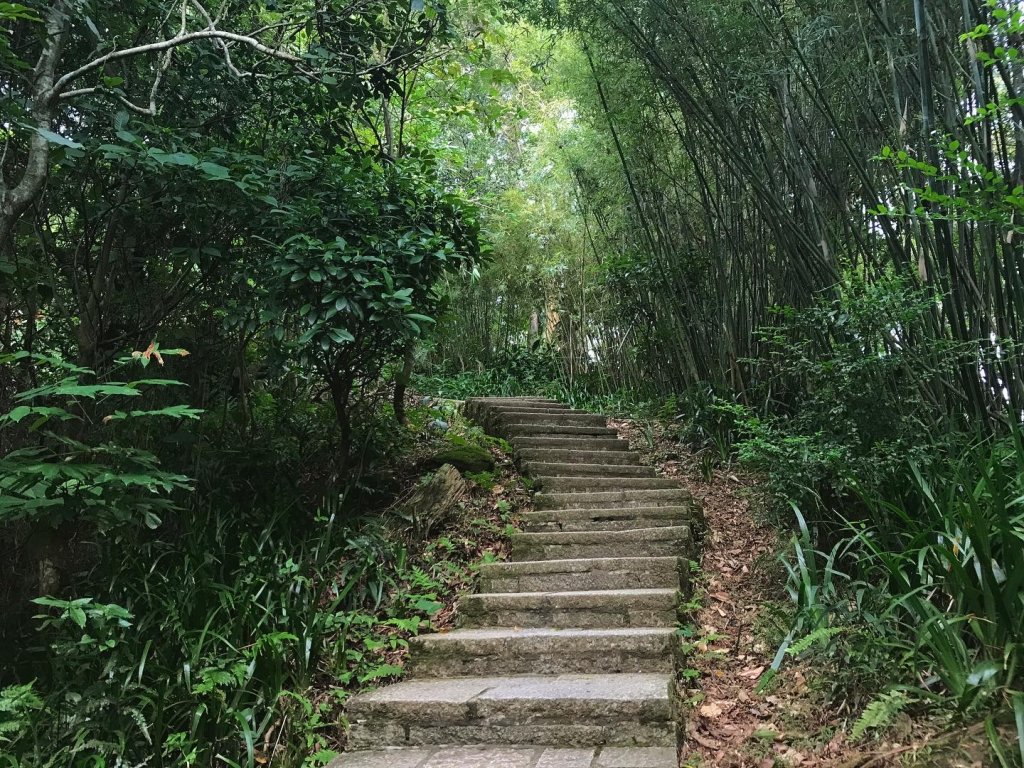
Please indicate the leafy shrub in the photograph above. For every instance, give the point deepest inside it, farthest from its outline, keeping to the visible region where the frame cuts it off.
(211, 643)
(346, 306)
(61, 474)
(224, 634)
(848, 382)
(517, 371)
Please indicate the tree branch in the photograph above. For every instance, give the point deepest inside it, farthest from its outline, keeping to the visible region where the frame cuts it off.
(57, 90)
(15, 200)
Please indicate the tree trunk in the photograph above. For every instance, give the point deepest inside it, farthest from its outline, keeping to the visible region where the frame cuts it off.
(14, 201)
(402, 383)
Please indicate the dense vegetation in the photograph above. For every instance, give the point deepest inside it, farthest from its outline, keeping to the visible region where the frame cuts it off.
(231, 237)
(220, 231)
(793, 228)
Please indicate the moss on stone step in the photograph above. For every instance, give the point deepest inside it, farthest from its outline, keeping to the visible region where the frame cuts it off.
(465, 458)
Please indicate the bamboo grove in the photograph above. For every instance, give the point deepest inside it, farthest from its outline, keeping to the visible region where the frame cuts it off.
(776, 154)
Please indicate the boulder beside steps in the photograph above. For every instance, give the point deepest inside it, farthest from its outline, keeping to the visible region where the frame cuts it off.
(566, 656)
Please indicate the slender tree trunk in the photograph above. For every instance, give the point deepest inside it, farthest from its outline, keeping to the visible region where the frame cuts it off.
(14, 201)
(402, 382)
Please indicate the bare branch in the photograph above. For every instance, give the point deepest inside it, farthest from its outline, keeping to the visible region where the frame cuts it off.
(15, 200)
(166, 45)
(212, 24)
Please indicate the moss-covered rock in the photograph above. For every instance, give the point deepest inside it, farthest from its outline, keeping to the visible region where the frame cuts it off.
(465, 458)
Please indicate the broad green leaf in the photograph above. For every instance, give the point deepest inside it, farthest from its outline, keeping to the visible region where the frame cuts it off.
(56, 138)
(176, 158)
(214, 171)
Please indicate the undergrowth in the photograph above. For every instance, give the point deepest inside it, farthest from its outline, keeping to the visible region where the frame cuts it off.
(236, 640)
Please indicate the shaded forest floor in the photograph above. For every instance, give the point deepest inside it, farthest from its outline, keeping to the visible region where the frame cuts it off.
(739, 618)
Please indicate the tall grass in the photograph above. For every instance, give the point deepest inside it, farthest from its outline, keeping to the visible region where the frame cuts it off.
(936, 578)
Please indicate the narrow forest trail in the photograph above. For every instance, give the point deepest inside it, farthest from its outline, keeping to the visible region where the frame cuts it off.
(567, 655)
(728, 643)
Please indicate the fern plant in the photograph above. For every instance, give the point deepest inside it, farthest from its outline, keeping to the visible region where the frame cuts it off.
(879, 713)
(18, 705)
(819, 636)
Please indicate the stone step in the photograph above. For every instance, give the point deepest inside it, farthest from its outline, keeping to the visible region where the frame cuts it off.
(613, 519)
(585, 458)
(602, 444)
(497, 411)
(482, 410)
(489, 756)
(663, 541)
(543, 651)
(477, 407)
(566, 659)
(589, 609)
(493, 417)
(519, 429)
(561, 710)
(563, 484)
(559, 419)
(667, 497)
(520, 402)
(588, 574)
(547, 469)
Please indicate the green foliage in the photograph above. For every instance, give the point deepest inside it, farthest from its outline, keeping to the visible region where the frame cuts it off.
(925, 589)
(59, 477)
(354, 284)
(484, 479)
(953, 182)
(515, 372)
(819, 635)
(847, 415)
(200, 656)
(879, 714)
(288, 219)
(18, 705)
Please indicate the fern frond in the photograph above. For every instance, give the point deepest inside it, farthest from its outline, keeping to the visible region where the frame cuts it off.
(879, 713)
(820, 635)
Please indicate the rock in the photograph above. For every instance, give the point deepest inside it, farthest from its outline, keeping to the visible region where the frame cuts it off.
(433, 501)
(465, 458)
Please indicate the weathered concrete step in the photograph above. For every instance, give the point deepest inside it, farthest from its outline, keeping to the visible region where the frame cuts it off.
(491, 756)
(562, 484)
(562, 710)
(613, 519)
(609, 443)
(494, 418)
(663, 541)
(480, 409)
(517, 429)
(558, 419)
(608, 499)
(568, 456)
(542, 651)
(580, 609)
(588, 574)
(514, 401)
(495, 413)
(611, 470)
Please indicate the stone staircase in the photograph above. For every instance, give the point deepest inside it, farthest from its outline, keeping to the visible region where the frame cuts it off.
(565, 658)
